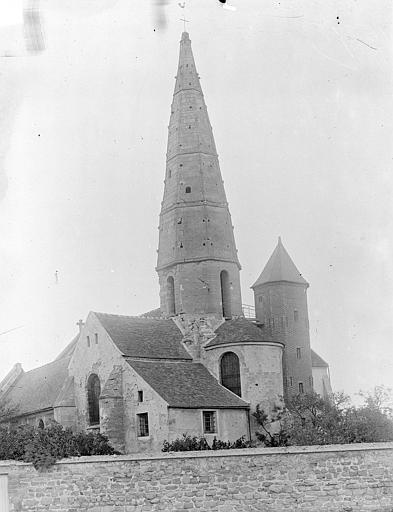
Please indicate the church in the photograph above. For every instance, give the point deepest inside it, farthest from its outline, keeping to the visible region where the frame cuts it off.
(197, 364)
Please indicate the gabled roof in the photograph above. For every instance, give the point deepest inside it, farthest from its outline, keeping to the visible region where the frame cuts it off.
(186, 385)
(69, 349)
(280, 267)
(145, 337)
(154, 313)
(38, 389)
(317, 361)
(237, 330)
(66, 397)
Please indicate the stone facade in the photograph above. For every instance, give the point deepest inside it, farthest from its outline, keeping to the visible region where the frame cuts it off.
(346, 478)
(260, 372)
(282, 307)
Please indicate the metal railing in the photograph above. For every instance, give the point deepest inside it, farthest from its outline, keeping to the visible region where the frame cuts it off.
(248, 311)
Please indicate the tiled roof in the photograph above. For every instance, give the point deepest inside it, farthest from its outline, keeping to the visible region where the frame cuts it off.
(154, 313)
(280, 267)
(317, 361)
(237, 330)
(186, 385)
(144, 337)
(69, 349)
(38, 389)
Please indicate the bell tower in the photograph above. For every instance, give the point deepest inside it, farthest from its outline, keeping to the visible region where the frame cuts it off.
(197, 265)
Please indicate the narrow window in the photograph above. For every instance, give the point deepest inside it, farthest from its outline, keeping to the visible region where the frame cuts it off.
(140, 396)
(41, 423)
(93, 398)
(225, 294)
(209, 422)
(296, 315)
(188, 190)
(260, 298)
(143, 425)
(169, 173)
(291, 381)
(298, 353)
(96, 338)
(301, 387)
(286, 321)
(170, 293)
(230, 372)
(88, 340)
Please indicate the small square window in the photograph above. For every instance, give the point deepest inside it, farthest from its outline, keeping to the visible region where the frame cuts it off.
(143, 424)
(88, 340)
(298, 353)
(209, 422)
(188, 190)
(301, 387)
(140, 396)
(96, 338)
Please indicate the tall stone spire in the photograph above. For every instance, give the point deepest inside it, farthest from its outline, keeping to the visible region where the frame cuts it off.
(197, 264)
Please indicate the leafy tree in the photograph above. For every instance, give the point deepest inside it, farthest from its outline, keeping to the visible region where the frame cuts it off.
(309, 419)
(7, 410)
(274, 426)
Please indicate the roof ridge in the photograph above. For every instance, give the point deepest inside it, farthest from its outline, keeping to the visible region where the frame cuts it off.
(138, 317)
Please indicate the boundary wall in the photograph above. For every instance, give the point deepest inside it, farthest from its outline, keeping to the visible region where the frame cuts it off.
(345, 478)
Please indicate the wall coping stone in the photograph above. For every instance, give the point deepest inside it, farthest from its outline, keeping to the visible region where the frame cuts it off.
(242, 452)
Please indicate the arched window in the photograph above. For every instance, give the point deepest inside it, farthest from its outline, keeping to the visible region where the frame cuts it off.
(93, 397)
(170, 294)
(225, 294)
(230, 372)
(41, 423)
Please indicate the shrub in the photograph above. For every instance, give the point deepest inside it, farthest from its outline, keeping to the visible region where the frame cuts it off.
(193, 443)
(43, 446)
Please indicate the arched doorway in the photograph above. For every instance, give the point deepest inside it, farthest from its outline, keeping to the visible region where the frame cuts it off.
(93, 399)
(230, 372)
(225, 294)
(170, 294)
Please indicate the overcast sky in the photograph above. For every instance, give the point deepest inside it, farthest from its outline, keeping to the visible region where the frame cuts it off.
(300, 98)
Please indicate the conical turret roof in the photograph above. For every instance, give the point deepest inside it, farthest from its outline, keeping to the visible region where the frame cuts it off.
(280, 267)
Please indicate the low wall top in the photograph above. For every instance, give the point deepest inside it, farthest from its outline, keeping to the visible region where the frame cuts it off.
(243, 452)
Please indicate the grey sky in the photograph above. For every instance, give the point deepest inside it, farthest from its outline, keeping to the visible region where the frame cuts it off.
(300, 98)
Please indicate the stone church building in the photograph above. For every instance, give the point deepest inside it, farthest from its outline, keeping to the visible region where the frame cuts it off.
(195, 365)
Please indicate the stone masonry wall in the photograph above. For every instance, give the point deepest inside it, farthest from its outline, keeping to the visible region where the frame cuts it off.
(347, 478)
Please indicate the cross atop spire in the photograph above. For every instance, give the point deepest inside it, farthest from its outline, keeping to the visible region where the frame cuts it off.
(183, 19)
